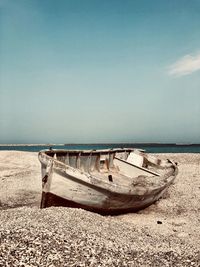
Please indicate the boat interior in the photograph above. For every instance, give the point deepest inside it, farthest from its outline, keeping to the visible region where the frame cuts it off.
(117, 165)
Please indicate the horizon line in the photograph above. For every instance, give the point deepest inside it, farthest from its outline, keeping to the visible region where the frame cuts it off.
(101, 143)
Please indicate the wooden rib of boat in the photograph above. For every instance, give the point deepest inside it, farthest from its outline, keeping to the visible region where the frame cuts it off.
(109, 181)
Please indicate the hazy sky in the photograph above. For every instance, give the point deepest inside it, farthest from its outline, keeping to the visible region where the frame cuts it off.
(99, 71)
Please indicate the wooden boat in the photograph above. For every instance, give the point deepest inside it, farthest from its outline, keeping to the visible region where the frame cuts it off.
(109, 181)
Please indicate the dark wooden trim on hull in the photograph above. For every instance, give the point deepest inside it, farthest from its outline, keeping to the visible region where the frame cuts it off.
(49, 200)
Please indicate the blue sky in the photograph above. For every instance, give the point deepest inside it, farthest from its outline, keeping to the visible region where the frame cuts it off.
(99, 71)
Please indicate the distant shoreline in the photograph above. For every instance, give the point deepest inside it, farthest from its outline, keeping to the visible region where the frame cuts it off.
(31, 144)
(106, 144)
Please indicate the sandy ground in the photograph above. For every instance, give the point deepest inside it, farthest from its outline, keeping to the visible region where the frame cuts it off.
(164, 234)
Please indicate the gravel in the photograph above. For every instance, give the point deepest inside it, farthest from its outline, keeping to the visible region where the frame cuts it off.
(165, 234)
(74, 237)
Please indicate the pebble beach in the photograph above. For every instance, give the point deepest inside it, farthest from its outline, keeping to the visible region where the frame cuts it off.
(164, 234)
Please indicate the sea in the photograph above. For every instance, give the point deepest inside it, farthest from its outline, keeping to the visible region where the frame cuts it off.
(149, 148)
